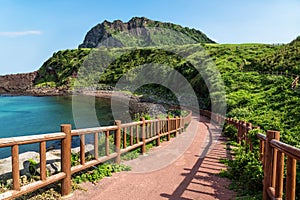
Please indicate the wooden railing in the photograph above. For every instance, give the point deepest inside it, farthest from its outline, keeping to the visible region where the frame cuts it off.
(272, 155)
(273, 152)
(214, 117)
(125, 137)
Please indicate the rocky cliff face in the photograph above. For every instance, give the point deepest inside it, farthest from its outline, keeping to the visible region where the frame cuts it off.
(16, 83)
(108, 33)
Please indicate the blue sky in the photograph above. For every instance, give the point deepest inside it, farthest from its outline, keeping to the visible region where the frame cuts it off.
(32, 30)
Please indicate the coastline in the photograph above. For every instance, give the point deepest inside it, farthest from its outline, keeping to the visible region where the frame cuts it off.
(138, 104)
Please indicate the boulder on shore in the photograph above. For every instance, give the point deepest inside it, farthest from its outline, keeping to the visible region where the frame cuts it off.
(53, 164)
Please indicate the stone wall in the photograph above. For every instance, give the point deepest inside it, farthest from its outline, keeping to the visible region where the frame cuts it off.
(16, 83)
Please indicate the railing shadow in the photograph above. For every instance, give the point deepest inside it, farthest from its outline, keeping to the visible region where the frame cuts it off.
(192, 175)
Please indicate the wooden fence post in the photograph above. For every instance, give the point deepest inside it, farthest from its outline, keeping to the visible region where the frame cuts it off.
(66, 159)
(96, 146)
(106, 143)
(240, 123)
(248, 140)
(118, 141)
(244, 132)
(168, 128)
(15, 167)
(261, 147)
(176, 125)
(181, 124)
(290, 178)
(82, 149)
(270, 163)
(236, 123)
(43, 171)
(158, 132)
(143, 136)
(279, 175)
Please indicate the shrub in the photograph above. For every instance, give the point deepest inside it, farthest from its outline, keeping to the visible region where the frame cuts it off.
(230, 131)
(245, 171)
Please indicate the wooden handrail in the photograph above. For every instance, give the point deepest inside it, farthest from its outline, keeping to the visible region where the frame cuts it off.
(261, 136)
(272, 153)
(286, 149)
(271, 149)
(140, 133)
(8, 142)
(78, 132)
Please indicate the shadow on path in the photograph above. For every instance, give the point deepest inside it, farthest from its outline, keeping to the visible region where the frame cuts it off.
(197, 178)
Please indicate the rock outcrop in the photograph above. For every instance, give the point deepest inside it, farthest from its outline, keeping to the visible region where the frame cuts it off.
(16, 83)
(104, 34)
(53, 164)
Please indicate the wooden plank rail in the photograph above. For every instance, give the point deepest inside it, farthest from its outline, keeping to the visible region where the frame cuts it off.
(272, 154)
(139, 134)
(8, 142)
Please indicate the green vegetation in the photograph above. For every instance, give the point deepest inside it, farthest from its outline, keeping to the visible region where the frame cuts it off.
(245, 170)
(263, 99)
(162, 35)
(141, 32)
(61, 68)
(104, 67)
(101, 171)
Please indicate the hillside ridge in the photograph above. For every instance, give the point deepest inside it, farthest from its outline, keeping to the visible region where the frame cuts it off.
(106, 32)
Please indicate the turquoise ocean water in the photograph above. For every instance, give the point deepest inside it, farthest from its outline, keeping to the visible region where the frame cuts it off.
(27, 115)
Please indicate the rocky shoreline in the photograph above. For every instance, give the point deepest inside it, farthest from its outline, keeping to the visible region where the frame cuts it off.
(138, 104)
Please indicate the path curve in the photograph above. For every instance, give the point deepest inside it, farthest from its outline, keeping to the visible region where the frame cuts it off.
(194, 175)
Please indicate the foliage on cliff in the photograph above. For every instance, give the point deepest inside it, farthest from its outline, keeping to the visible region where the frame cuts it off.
(140, 31)
(61, 68)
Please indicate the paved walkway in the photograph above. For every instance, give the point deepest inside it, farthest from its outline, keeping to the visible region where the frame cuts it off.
(189, 173)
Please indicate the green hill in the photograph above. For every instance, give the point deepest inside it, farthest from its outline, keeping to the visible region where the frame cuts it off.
(61, 68)
(140, 31)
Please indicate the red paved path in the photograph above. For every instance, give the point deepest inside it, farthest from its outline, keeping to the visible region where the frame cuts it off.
(193, 175)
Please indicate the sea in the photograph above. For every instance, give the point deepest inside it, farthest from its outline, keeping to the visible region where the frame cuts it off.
(30, 115)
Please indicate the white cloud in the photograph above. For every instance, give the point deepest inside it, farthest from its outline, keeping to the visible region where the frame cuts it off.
(20, 33)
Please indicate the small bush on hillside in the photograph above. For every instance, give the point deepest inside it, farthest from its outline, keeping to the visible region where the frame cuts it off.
(245, 171)
(230, 131)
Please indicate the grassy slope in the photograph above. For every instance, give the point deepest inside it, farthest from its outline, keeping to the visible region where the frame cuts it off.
(58, 69)
(264, 100)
